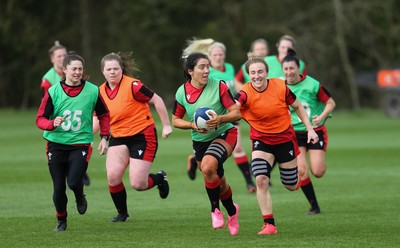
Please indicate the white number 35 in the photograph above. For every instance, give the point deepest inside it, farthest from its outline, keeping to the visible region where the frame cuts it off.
(72, 121)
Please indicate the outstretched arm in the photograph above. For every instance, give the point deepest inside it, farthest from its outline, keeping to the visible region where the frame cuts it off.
(329, 107)
(301, 112)
(159, 105)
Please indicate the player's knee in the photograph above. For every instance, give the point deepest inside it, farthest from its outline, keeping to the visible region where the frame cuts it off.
(302, 170)
(113, 178)
(74, 184)
(291, 187)
(59, 188)
(213, 159)
(262, 182)
(289, 178)
(318, 172)
(239, 151)
(139, 185)
(218, 151)
(208, 169)
(260, 166)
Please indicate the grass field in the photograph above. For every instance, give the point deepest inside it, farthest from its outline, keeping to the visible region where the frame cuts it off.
(359, 195)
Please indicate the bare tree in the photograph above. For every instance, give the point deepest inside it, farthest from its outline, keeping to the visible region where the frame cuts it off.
(85, 28)
(344, 57)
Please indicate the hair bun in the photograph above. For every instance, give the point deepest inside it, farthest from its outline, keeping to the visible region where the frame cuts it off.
(291, 52)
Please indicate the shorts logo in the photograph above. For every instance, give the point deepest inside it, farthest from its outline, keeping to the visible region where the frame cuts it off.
(321, 143)
(291, 153)
(49, 155)
(140, 152)
(83, 153)
(256, 144)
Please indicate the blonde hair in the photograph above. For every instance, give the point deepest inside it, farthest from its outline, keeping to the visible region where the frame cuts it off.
(215, 45)
(197, 46)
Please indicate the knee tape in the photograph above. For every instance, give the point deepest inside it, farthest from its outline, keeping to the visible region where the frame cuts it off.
(260, 166)
(289, 176)
(218, 151)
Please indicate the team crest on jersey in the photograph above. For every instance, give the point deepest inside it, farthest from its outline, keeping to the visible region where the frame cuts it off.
(135, 83)
(188, 96)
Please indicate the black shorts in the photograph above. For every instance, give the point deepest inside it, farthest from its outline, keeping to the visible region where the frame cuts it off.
(60, 153)
(322, 139)
(230, 136)
(141, 146)
(200, 148)
(283, 152)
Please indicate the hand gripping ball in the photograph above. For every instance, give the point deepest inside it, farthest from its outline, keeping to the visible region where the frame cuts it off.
(201, 115)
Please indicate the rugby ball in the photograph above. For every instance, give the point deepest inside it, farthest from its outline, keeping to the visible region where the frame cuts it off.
(201, 115)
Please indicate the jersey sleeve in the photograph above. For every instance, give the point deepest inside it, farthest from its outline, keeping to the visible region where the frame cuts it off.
(103, 115)
(140, 92)
(45, 85)
(290, 96)
(178, 110)
(241, 97)
(239, 76)
(227, 99)
(46, 109)
(323, 94)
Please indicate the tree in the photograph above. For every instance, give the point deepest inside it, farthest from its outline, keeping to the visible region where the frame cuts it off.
(342, 47)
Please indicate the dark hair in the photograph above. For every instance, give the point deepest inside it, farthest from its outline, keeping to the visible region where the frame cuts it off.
(125, 60)
(73, 56)
(56, 46)
(190, 62)
(291, 56)
(252, 59)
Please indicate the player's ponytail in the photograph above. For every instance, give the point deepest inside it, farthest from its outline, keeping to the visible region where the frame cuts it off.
(125, 60)
(197, 46)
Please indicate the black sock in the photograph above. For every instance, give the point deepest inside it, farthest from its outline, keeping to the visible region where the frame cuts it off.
(269, 218)
(309, 192)
(213, 193)
(62, 217)
(245, 169)
(119, 199)
(227, 201)
(270, 221)
(157, 178)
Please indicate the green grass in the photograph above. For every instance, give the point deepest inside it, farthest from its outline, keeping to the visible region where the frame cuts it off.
(359, 195)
